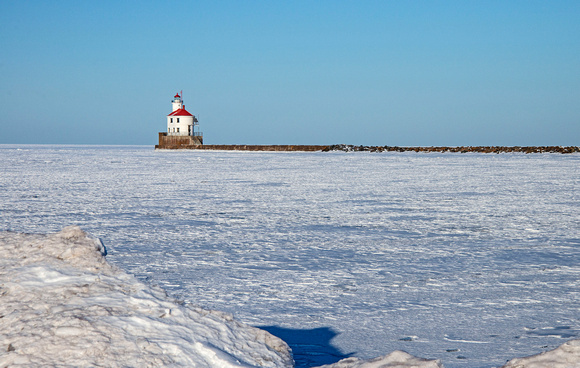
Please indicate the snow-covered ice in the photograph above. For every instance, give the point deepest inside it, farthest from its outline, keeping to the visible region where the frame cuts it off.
(471, 259)
(62, 304)
(396, 359)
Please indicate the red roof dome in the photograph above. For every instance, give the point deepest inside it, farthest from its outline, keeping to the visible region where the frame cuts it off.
(177, 95)
(180, 112)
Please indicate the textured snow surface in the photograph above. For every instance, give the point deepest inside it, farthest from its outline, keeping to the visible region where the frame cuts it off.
(61, 304)
(472, 259)
(397, 359)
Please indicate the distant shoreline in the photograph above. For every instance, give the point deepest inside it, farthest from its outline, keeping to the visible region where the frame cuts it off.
(354, 148)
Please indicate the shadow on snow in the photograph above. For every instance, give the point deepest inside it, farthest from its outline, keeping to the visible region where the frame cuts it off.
(310, 348)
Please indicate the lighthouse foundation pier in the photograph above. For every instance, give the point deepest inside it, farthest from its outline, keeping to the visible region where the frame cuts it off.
(196, 143)
(167, 141)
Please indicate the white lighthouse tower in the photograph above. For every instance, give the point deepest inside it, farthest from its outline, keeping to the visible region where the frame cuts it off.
(180, 122)
(181, 125)
(177, 102)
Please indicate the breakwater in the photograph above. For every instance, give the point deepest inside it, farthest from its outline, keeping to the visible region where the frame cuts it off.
(354, 148)
(460, 149)
(252, 147)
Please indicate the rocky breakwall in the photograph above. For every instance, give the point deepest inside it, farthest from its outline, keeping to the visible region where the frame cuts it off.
(461, 149)
(247, 147)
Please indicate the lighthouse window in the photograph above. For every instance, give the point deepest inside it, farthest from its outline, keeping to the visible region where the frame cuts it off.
(177, 130)
(178, 120)
(171, 120)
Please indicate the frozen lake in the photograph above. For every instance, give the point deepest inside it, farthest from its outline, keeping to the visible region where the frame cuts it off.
(473, 259)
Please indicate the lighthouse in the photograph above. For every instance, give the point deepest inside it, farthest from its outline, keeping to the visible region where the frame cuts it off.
(181, 125)
(180, 122)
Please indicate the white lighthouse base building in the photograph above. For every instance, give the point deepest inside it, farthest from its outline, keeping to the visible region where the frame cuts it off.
(181, 128)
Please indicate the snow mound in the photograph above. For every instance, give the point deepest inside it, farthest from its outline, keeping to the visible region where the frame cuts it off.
(566, 355)
(397, 359)
(62, 304)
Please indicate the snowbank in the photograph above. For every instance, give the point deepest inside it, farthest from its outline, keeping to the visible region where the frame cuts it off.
(62, 304)
(565, 356)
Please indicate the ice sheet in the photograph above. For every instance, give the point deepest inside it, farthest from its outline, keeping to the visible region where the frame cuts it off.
(472, 259)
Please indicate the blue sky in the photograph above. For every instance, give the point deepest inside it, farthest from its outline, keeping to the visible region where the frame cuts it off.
(408, 73)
